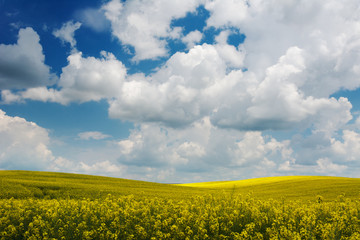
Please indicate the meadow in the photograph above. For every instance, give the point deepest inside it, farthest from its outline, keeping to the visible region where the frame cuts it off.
(43, 205)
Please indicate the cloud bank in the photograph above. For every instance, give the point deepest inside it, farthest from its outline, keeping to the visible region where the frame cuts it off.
(213, 106)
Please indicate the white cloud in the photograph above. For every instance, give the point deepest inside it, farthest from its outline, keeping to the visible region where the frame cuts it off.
(26, 146)
(186, 89)
(94, 19)
(349, 148)
(293, 66)
(324, 153)
(276, 92)
(324, 165)
(23, 144)
(62, 164)
(272, 27)
(189, 149)
(43, 94)
(233, 56)
(93, 135)
(198, 83)
(253, 149)
(192, 38)
(66, 32)
(83, 80)
(101, 168)
(276, 102)
(145, 25)
(201, 149)
(226, 12)
(22, 64)
(86, 79)
(333, 116)
(88, 166)
(7, 97)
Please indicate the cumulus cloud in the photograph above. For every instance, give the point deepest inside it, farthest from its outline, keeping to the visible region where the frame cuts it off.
(349, 148)
(324, 165)
(186, 89)
(323, 153)
(145, 25)
(227, 12)
(253, 149)
(67, 32)
(87, 79)
(192, 38)
(89, 166)
(233, 56)
(272, 27)
(278, 90)
(201, 148)
(22, 64)
(7, 97)
(293, 65)
(23, 144)
(105, 167)
(82, 80)
(276, 102)
(285, 79)
(92, 135)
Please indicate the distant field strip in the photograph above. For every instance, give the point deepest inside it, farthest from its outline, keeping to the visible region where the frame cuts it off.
(289, 187)
(30, 184)
(25, 184)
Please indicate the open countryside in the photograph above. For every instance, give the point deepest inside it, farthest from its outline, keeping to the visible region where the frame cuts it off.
(44, 205)
(180, 119)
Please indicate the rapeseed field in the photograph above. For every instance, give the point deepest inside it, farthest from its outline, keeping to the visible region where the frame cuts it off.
(64, 206)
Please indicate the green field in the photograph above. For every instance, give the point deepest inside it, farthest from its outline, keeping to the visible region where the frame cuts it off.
(44, 205)
(25, 184)
(49, 185)
(289, 187)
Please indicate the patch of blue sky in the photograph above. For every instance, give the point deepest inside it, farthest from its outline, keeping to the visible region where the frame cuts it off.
(210, 34)
(353, 96)
(53, 12)
(72, 119)
(236, 38)
(18, 14)
(192, 21)
(53, 49)
(91, 43)
(175, 46)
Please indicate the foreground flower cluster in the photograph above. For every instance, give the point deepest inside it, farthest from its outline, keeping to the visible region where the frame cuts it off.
(203, 217)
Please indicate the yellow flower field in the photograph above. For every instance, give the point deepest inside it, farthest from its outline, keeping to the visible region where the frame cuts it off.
(202, 217)
(202, 213)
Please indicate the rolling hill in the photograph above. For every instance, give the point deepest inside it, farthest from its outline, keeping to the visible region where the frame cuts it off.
(289, 187)
(31, 184)
(52, 185)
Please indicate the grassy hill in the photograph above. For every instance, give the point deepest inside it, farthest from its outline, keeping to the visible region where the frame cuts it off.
(25, 184)
(290, 187)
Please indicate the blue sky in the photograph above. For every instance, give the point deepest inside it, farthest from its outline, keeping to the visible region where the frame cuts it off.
(180, 91)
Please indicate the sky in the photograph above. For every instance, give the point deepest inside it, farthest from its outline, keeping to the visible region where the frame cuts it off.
(182, 90)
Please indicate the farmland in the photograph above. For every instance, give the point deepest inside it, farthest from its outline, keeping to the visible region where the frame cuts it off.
(48, 185)
(42, 205)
